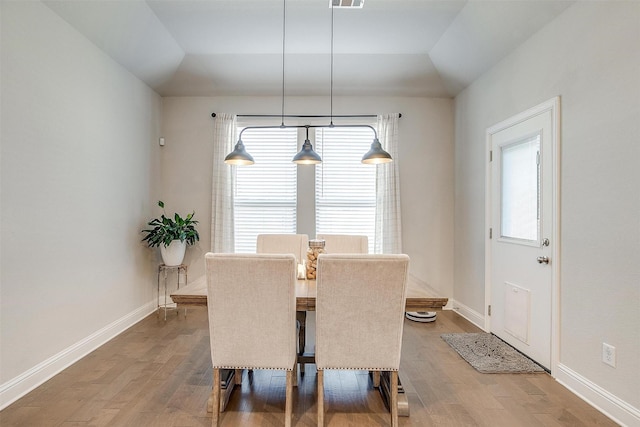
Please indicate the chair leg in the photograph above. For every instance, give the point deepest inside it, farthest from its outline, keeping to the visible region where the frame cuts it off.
(301, 318)
(394, 398)
(295, 374)
(215, 413)
(376, 379)
(320, 398)
(288, 402)
(238, 375)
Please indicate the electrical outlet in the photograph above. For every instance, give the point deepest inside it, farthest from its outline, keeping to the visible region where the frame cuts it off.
(609, 354)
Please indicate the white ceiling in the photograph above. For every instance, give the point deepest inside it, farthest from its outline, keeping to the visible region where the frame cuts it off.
(234, 47)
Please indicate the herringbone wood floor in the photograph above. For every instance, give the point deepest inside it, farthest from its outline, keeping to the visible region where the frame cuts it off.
(157, 373)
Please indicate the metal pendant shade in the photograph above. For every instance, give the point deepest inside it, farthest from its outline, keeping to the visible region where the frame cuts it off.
(239, 156)
(306, 156)
(376, 154)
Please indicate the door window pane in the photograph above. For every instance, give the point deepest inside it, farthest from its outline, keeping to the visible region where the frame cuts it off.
(520, 166)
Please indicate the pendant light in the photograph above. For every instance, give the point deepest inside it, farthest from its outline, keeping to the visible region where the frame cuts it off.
(239, 156)
(376, 154)
(306, 156)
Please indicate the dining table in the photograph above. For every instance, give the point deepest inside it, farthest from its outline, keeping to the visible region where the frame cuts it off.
(418, 299)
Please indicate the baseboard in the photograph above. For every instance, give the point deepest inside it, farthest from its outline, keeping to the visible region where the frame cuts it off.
(17, 387)
(618, 410)
(468, 313)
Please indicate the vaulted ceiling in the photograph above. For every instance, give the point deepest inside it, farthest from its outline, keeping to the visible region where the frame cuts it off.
(235, 47)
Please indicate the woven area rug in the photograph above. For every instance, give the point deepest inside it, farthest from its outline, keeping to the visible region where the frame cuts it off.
(489, 354)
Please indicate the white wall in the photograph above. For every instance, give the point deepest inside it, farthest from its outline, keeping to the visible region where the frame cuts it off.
(79, 173)
(590, 56)
(425, 159)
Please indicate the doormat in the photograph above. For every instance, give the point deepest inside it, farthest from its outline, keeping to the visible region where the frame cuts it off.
(489, 354)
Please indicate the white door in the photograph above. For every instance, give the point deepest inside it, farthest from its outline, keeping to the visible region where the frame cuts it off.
(522, 241)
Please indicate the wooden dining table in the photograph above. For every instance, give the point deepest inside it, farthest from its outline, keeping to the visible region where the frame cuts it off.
(417, 299)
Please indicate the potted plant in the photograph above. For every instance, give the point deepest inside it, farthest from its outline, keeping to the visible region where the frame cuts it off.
(172, 235)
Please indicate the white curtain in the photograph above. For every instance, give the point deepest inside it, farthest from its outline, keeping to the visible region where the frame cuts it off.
(388, 234)
(222, 224)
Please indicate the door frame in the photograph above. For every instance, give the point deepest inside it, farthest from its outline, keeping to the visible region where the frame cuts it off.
(553, 106)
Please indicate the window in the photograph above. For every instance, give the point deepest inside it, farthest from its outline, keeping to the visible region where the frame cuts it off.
(266, 192)
(345, 188)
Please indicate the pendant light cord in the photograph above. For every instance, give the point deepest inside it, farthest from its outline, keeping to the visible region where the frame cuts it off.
(331, 90)
(284, 30)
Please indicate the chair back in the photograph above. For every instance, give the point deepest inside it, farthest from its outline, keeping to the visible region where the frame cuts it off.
(263, 334)
(283, 244)
(345, 243)
(360, 311)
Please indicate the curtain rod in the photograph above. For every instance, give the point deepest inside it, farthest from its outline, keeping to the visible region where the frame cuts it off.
(306, 117)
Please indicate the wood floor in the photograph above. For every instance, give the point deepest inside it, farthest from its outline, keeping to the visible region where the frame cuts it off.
(157, 373)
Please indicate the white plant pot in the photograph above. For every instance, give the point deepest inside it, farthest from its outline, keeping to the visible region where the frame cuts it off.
(173, 254)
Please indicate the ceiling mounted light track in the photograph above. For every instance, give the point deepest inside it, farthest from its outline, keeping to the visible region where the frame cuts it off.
(306, 155)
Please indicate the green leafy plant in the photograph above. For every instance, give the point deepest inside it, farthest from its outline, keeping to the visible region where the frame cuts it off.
(166, 229)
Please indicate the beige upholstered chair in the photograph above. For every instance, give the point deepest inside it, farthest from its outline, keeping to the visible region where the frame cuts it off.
(263, 335)
(345, 244)
(296, 244)
(360, 316)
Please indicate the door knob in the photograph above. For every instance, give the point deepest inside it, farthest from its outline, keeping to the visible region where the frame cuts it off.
(543, 260)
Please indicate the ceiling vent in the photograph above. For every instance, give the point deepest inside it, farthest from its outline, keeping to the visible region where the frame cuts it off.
(347, 3)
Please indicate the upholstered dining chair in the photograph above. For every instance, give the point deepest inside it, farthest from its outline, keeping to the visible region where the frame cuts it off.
(296, 244)
(283, 244)
(263, 336)
(360, 316)
(344, 243)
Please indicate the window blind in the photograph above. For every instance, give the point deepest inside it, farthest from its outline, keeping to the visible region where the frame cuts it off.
(265, 193)
(345, 188)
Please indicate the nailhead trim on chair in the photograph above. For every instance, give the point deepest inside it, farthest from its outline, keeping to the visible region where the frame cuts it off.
(355, 369)
(252, 367)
